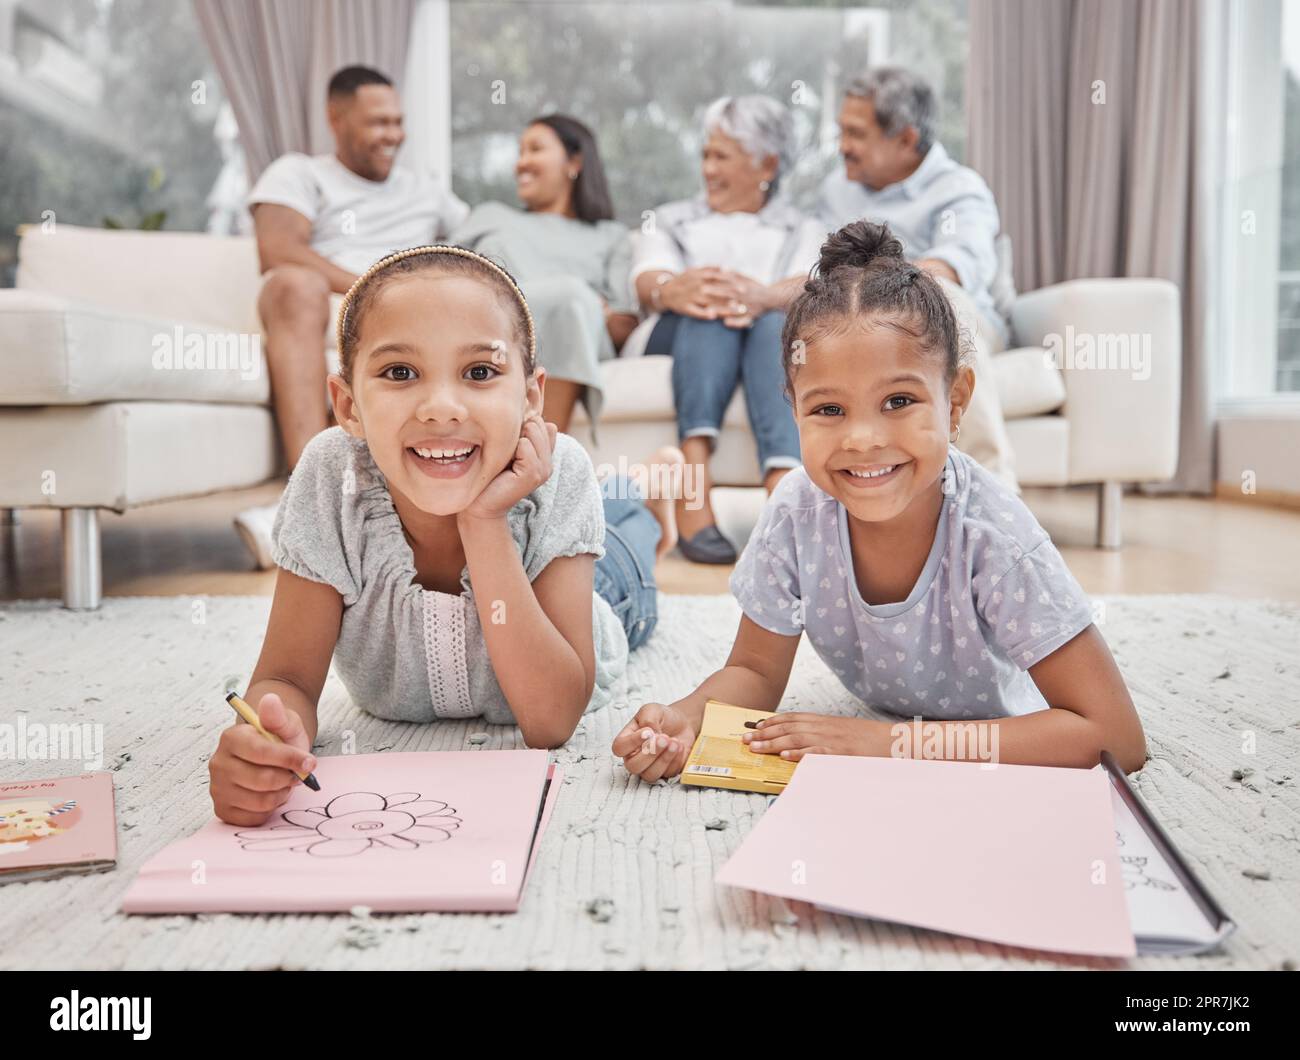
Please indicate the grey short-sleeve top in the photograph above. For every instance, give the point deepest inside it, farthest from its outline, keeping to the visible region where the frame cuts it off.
(414, 654)
(994, 598)
(536, 245)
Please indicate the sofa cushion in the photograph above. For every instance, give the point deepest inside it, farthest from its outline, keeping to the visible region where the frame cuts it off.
(54, 351)
(117, 455)
(212, 280)
(638, 417)
(1041, 445)
(641, 388)
(1028, 385)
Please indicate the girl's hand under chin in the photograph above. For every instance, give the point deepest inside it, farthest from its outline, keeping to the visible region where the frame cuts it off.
(530, 467)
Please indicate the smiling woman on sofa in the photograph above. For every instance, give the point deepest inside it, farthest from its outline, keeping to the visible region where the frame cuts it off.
(570, 256)
(720, 270)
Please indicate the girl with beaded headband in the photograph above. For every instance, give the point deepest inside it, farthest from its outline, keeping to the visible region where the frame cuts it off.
(437, 248)
(448, 550)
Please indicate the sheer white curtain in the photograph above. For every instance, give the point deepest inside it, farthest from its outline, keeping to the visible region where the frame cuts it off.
(427, 96)
(275, 58)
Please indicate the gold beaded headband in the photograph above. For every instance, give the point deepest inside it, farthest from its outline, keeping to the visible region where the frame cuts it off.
(435, 248)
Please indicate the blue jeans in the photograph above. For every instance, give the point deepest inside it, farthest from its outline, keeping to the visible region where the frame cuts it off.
(625, 574)
(710, 359)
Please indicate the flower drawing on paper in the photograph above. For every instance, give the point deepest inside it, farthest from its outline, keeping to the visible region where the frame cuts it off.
(354, 823)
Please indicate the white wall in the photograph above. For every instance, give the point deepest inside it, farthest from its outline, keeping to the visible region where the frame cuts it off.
(1266, 443)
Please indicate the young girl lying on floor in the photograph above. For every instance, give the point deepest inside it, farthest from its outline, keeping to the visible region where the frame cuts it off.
(926, 586)
(442, 544)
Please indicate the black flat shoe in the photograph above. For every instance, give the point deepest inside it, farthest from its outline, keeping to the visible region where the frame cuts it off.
(708, 546)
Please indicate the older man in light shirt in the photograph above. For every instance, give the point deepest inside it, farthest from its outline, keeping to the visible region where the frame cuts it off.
(943, 213)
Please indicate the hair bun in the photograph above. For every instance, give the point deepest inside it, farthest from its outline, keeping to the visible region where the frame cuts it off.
(858, 244)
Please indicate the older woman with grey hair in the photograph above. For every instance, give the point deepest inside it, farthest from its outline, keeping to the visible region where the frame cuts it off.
(720, 270)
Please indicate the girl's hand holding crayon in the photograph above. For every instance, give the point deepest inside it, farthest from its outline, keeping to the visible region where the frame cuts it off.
(795, 734)
(250, 775)
(656, 743)
(530, 467)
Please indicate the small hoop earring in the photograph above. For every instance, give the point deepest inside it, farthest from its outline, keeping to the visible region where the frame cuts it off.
(957, 435)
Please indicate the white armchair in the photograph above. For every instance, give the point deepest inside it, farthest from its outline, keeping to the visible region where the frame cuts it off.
(1121, 411)
(89, 417)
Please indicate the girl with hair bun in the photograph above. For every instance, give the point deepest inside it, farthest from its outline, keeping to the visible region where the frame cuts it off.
(922, 582)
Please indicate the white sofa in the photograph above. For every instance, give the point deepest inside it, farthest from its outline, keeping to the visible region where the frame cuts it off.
(90, 421)
(1072, 425)
(86, 420)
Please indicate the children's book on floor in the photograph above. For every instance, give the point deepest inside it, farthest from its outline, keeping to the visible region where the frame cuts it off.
(57, 827)
(1171, 910)
(453, 831)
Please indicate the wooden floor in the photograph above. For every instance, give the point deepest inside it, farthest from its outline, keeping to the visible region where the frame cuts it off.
(1172, 545)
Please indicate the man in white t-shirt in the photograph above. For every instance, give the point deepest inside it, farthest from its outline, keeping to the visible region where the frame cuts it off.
(321, 221)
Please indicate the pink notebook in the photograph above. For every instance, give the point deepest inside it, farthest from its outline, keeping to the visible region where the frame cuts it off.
(416, 832)
(55, 827)
(1020, 855)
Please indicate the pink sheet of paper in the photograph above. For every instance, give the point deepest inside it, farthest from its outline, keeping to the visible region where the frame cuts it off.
(1020, 855)
(454, 831)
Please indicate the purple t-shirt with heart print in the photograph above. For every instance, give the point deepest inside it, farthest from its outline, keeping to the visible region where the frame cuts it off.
(995, 598)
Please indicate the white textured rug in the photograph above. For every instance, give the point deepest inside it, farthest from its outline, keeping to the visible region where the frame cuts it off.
(625, 876)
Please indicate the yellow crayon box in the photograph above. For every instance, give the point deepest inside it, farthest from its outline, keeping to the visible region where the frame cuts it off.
(720, 759)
